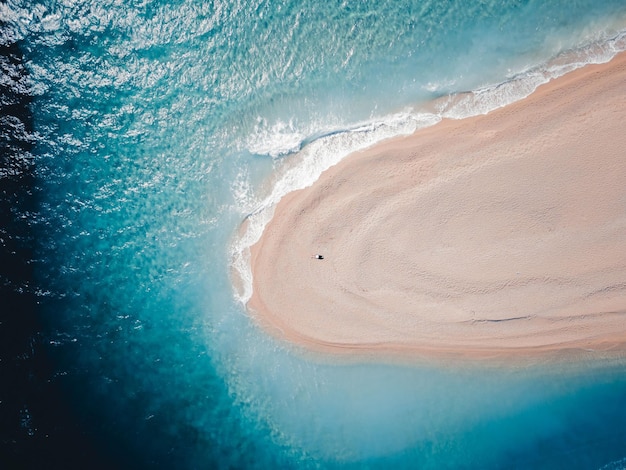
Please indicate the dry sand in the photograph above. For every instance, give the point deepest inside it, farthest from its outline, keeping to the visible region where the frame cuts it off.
(499, 234)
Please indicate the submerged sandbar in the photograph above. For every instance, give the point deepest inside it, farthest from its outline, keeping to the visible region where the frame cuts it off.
(503, 233)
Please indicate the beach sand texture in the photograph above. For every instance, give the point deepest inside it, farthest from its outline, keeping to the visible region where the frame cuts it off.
(502, 233)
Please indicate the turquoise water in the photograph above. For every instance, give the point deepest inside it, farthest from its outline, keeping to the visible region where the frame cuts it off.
(161, 126)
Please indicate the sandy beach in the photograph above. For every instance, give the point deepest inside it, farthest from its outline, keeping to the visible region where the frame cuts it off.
(498, 234)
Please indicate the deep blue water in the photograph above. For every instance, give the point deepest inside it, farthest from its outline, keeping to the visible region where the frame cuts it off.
(139, 135)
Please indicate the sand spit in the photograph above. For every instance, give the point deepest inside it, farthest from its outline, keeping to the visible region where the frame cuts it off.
(498, 234)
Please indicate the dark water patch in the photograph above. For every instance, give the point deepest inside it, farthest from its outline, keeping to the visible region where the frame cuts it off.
(38, 427)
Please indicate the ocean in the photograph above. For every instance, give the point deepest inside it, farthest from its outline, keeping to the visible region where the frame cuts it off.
(145, 144)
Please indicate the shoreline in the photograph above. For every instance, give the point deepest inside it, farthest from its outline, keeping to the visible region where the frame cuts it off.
(494, 235)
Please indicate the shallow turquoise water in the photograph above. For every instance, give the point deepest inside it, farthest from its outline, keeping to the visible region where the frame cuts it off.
(160, 126)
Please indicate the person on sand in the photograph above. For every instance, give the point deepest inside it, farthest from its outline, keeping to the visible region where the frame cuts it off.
(317, 257)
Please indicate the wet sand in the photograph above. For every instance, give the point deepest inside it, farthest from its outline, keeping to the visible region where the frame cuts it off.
(498, 234)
